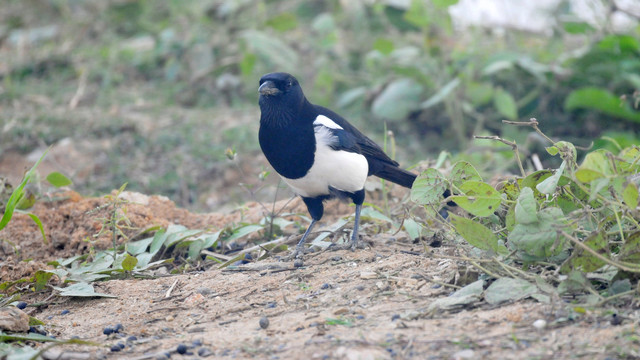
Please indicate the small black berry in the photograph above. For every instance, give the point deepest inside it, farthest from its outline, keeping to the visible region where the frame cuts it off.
(181, 349)
(21, 305)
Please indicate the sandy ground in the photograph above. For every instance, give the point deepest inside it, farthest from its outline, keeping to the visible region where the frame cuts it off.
(368, 304)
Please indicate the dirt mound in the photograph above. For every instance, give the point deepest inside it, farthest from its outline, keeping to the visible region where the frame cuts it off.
(75, 224)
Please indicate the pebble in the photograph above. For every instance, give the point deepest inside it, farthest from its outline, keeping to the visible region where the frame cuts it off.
(325, 286)
(181, 349)
(204, 291)
(264, 322)
(395, 317)
(108, 330)
(540, 324)
(298, 263)
(616, 320)
(271, 305)
(64, 312)
(115, 348)
(204, 352)
(464, 354)
(366, 275)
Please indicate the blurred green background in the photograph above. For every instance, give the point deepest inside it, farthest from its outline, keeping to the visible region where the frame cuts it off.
(154, 92)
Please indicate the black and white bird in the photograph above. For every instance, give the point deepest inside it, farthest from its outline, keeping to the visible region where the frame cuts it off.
(317, 152)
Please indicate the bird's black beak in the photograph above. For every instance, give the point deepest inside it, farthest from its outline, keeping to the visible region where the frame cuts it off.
(268, 88)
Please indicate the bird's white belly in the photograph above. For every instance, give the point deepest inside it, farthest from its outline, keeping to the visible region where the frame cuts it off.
(342, 170)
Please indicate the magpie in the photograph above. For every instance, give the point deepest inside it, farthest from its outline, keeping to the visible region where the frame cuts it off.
(317, 152)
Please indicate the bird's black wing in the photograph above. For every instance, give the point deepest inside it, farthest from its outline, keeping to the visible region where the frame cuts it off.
(337, 139)
(368, 147)
(380, 164)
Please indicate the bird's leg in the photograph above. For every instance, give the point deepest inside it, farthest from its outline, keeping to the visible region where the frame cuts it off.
(300, 247)
(356, 225)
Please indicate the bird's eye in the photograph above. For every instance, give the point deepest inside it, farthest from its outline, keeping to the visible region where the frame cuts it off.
(290, 84)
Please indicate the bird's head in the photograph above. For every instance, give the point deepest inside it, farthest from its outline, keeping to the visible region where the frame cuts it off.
(280, 90)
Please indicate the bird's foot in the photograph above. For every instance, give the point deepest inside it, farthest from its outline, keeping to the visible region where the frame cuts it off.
(297, 254)
(350, 246)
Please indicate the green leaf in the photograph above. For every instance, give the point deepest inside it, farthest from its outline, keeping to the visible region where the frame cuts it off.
(383, 45)
(283, 22)
(505, 104)
(577, 27)
(630, 250)
(18, 193)
(26, 201)
(138, 247)
(548, 186)
(271, 51)
(588, 175)
(596, 186)
(510, 218)
(211, 240)
(585, 261)
(539, 238)
(41, 279)
(576, 282)
(508, 289)
(195, 248)
(480, 198)
(398, 99)
(467, 295)
(601, 100)
(179, 236)
(526, 207)
(58, 180)
(444, 3)
(462, 172)
(412, 228)
(372, 213)
(511, 188)
(158, 240)
(479, 93)
(442, 94)
(442, 157)
(26, 337)
(428, 188)
(244, 231)
(630, 195)
(36, 220)
(552, 150)
(417, 14)
(476, 234)
(81, 290)
(143, 260)
(129, 262)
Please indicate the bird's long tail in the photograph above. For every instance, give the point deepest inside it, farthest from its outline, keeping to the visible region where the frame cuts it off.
(396, 175)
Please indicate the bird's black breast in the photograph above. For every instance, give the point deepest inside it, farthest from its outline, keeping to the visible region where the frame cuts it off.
(290, 149)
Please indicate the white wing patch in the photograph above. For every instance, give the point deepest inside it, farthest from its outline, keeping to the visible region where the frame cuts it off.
(325, 121)
(339, 169)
